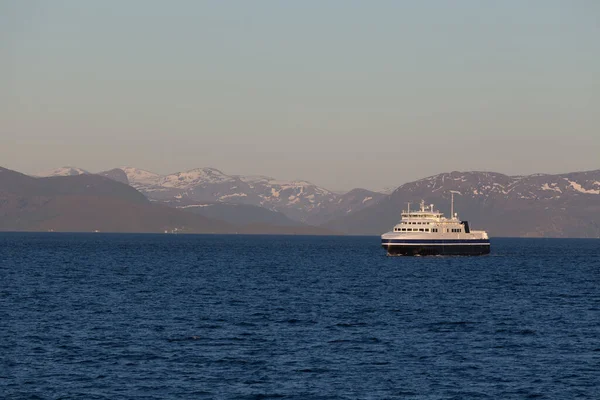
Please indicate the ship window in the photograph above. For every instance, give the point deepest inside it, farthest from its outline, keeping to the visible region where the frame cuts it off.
(421, 230)
(403, 229)
(427, 230)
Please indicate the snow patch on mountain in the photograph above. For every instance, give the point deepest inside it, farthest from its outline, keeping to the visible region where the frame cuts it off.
(580, 188)
(545, 186)
(254, 178)
(229, 196)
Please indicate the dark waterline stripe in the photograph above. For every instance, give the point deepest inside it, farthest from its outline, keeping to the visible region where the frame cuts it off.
(435, 241)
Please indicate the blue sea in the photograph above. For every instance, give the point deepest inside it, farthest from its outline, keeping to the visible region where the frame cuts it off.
(112, 316)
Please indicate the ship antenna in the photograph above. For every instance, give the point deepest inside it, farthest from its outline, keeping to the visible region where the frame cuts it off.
(452, 205)
(408, 211)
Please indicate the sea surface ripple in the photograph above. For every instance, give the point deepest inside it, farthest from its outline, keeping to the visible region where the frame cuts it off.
(111, 316)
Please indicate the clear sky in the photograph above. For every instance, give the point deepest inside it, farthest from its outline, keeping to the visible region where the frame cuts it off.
(341, 93)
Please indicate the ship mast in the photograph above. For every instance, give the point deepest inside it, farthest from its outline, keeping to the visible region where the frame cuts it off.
(452, 205)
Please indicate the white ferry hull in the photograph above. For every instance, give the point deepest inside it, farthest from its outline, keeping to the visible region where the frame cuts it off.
(450, 247)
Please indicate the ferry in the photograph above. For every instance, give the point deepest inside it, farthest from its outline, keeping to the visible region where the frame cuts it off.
(427, 233)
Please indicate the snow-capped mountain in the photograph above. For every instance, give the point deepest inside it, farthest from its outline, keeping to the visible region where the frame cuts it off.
(141, 179)
(195, 177)
(299, 200)
(62, 171)
(535, 205)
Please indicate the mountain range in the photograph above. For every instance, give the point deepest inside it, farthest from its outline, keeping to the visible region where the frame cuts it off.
(538, 205)
(93, 202)
(299, 201)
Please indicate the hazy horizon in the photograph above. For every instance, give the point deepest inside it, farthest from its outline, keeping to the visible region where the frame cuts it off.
(341, 94)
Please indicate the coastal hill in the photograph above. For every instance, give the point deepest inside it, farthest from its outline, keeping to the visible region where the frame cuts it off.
(91, 202)
(539, 205)
(86, 203)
